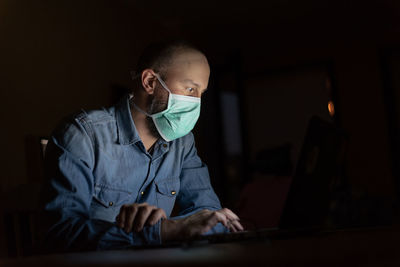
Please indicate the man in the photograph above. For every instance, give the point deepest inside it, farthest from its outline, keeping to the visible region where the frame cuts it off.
(115, 174)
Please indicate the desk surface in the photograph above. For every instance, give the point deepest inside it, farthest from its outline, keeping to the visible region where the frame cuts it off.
(357, 247)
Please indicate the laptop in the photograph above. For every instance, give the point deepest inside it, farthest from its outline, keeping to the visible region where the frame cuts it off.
(317, 174)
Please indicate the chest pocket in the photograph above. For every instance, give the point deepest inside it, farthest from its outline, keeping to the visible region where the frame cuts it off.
(167, 190)
(107, 201)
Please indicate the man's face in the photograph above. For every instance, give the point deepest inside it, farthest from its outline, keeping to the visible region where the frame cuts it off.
(187, 75)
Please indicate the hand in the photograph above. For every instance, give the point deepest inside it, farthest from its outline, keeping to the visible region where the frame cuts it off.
(199, 223)
(136, 216)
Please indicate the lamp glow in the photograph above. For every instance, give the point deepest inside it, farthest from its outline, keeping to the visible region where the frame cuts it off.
(331, 108)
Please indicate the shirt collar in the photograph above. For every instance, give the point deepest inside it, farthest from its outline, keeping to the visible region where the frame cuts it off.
(127, 133)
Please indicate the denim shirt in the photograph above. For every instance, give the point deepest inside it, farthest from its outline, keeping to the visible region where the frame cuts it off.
(96, 162)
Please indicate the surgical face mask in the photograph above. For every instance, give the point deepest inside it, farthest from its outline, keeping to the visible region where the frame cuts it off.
(180, 116)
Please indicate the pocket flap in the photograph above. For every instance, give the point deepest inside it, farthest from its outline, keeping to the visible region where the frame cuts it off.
(168, 187)
(109, 197)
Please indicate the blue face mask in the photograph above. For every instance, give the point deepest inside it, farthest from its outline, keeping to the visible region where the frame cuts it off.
(180, 116)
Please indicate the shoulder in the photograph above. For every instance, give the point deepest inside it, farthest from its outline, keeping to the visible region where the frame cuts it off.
(186, 146)
(186, 141)
(94, 117)
(81, 123)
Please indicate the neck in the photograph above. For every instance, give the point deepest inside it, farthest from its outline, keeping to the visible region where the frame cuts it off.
(141, 124)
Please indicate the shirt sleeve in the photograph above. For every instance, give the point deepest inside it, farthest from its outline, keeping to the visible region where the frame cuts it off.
(196, 192)
(68, 193)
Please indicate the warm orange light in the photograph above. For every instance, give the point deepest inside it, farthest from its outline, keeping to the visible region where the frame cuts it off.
(331, 108)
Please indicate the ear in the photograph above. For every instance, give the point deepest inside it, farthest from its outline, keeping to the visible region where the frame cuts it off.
(149, 81)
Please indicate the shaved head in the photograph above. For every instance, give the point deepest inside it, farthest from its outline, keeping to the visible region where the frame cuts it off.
(160, 56)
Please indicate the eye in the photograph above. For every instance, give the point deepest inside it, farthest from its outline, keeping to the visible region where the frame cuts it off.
(190, 89)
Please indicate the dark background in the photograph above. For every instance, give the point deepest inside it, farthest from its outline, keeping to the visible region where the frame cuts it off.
(57, 57)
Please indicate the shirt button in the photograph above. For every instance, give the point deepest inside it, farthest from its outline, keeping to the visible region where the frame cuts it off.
(110, 203)
(165, 145)
(173, 192)
(142, 193)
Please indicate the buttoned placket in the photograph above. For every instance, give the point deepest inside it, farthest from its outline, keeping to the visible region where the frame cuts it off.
(161, 147)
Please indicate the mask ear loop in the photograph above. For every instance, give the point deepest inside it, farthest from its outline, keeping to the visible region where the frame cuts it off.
(162, 83)
(131, 100)
(141, 110)
(131, 96)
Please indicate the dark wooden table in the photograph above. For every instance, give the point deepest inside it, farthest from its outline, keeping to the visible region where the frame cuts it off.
(352, 247)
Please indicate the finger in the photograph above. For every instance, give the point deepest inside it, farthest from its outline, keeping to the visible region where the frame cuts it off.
(222, 218)
(130, 218)
(233, 215)
(155, 216)
(121, 217)
(143, 213)
(211, 220)
(231, 227)
(216, 217)
(230, 214)
(203, 221)
(237, 225)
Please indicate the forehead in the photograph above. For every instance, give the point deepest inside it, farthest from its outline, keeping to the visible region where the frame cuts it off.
(189, 65)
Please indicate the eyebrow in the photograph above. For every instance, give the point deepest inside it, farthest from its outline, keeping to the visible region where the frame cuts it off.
(193, 83)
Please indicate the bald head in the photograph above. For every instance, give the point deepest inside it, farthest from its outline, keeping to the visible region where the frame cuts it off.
(181, 65)
(190, 66)
(160, 56)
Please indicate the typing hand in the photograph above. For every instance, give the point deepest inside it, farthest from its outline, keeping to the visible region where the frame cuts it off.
(136, 216)
(199, 223)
